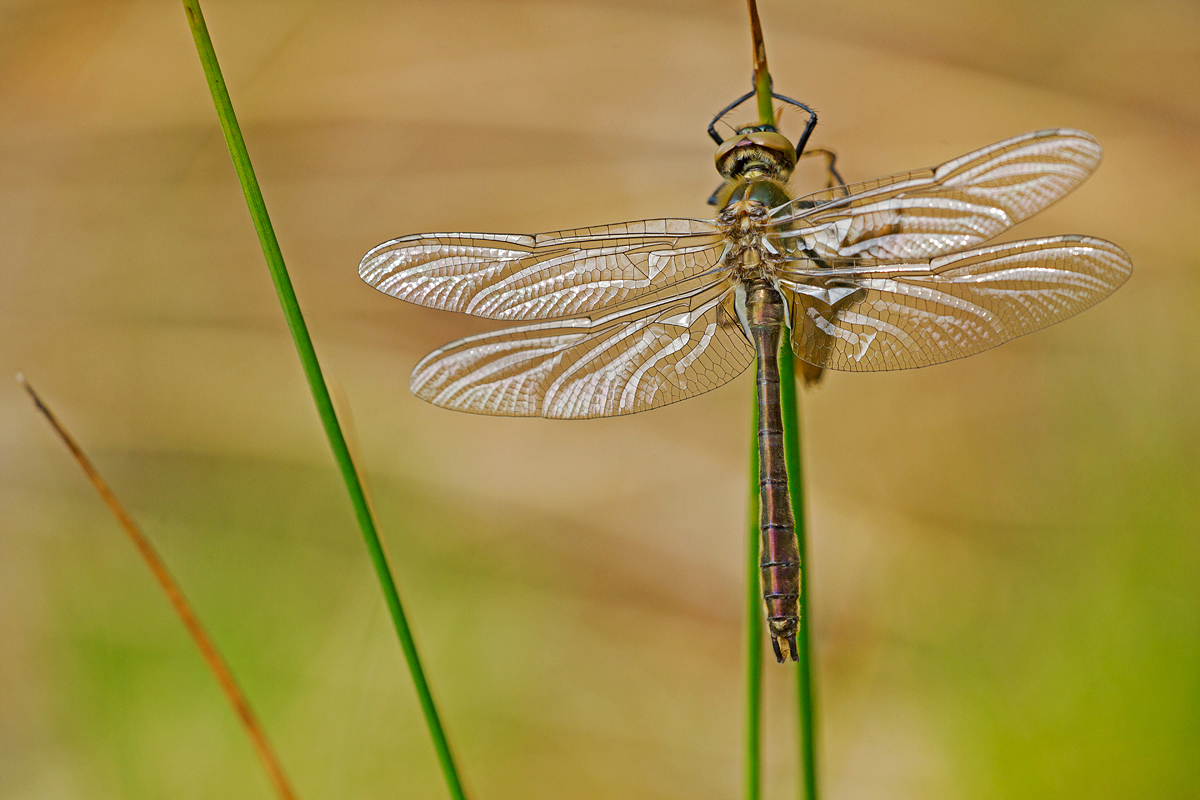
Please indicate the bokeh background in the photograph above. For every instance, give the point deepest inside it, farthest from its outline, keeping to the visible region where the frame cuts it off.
(1005, 563)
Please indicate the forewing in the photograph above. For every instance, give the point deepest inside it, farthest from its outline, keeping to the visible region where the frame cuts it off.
(931, 212)
(547, 276)
(863, 316)
(639, 357)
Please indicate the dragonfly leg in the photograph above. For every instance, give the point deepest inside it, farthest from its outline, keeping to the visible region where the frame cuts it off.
(833, 177)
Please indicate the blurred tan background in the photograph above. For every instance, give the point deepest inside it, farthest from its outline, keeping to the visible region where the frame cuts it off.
(1005, 565)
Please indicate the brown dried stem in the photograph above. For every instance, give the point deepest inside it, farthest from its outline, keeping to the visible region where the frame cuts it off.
(208, 650)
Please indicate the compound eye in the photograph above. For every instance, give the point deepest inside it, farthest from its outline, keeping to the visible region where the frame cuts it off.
(760, 146)
(728, 147)
(772, 140)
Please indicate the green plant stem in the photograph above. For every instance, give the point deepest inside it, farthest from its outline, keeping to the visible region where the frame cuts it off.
(762, 92)
(804, 671)
(806, 714)
(312, 371)
(755, 619)
(762, 75)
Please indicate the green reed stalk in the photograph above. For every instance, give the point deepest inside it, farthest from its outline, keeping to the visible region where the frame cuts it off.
(806, 716)
(762, 76)
(316, 382)
(754, 604)
(806, 712)
(755, 619)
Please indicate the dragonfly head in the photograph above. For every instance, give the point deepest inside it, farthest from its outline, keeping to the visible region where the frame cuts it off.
(757, 148)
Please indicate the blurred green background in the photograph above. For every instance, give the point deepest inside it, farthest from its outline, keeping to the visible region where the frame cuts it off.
(1005, 559)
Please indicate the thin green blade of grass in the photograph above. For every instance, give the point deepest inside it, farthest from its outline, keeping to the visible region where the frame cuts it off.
(755, 618)
(754, 615)
(158, 568)
(806, 711)
(762, 75)
(806, 716)
(320, 393)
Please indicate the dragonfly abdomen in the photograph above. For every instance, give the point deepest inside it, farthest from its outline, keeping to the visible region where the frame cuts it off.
(780, 554)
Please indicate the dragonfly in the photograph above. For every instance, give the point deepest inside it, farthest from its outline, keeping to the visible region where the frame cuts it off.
(885, 274)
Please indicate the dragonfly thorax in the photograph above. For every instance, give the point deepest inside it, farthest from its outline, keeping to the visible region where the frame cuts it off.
(745, 222)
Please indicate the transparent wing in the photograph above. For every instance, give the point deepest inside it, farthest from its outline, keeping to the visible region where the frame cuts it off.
(863, 316)
(931, 212)
(550, 275)
(642, 356)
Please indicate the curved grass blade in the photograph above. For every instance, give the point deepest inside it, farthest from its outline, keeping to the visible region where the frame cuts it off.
(208, 650)
(312, 371)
